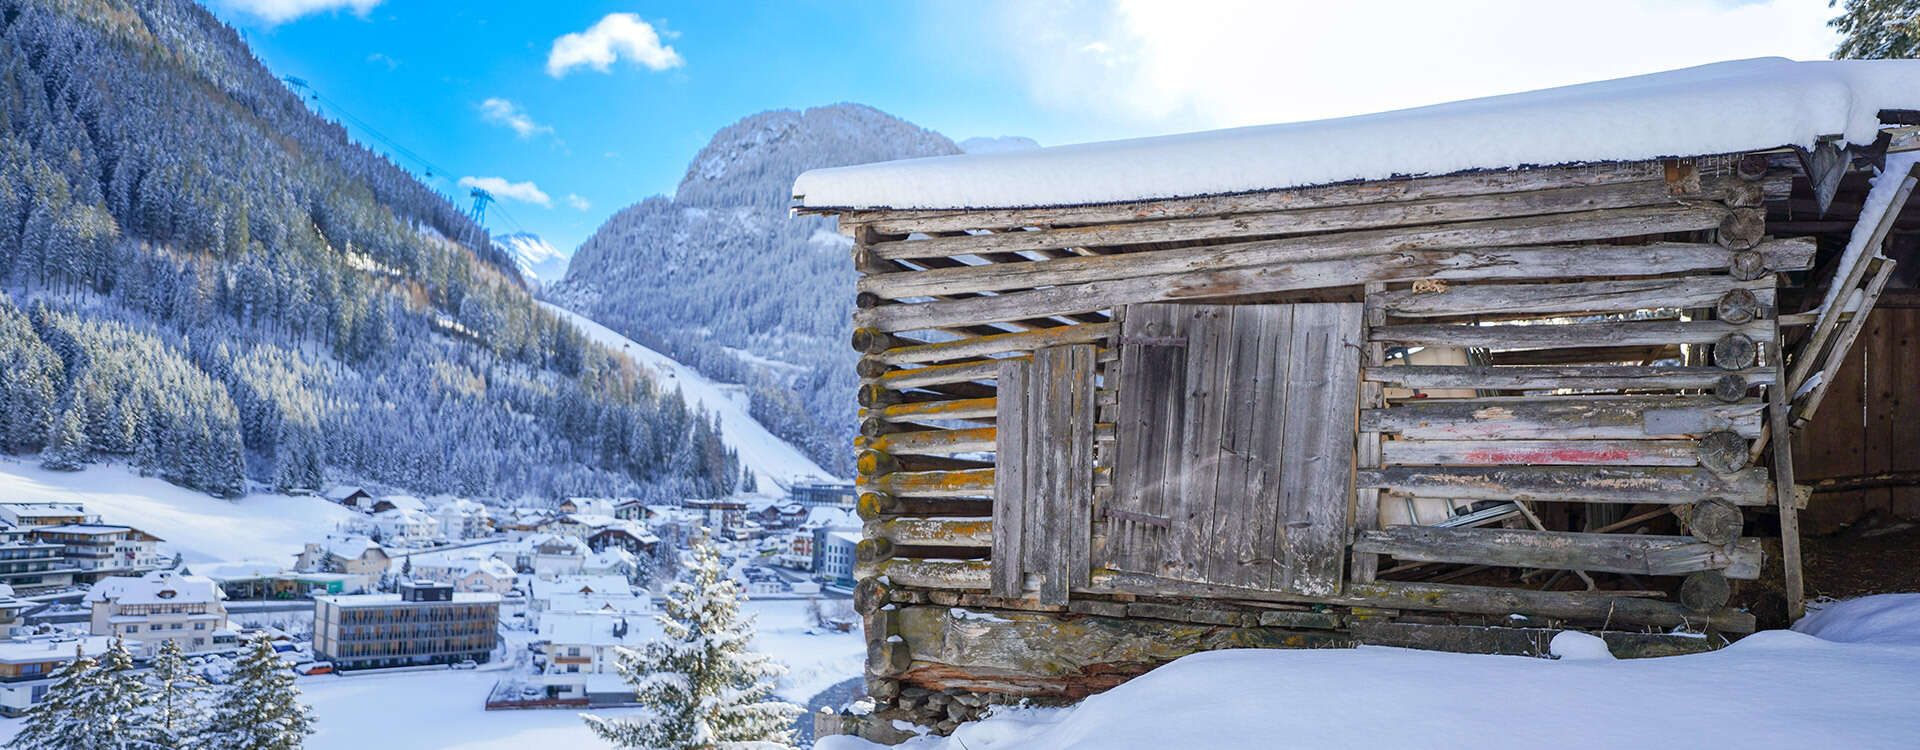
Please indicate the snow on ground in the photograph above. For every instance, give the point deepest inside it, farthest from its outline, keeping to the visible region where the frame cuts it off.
(1776, 689)
(814, 662)
(1886, 619)
(1721, 108)
(258, 528)
(775, 462)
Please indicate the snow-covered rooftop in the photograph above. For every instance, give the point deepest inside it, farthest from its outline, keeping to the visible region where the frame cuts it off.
(369, 600)
(157, 587)
(50, 649)
(597, 629)
(1725, 107)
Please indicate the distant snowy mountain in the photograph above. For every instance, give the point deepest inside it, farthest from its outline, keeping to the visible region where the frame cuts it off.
(720, 277)
(997, 144)
(540, 262)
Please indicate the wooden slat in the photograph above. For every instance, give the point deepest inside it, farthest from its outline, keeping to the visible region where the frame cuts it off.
(982, 346)
(1209, 396)
(1151, 409)
(1564, 550)
(895, 221)
(1488, 264)
(1010, 501)
(940, 374)
(1616, 295)
(1316, 475)
(1565, 418)
(1585, 484)
(1302, 221)
(1541, 452)
(1558, 336)
(1532, 230)
(1544, 377)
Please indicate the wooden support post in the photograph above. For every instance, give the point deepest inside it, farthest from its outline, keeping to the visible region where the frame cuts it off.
(1779, 401)
(1366, 510)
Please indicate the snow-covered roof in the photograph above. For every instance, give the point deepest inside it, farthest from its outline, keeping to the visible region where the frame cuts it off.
(342, 492)
(350, 547)
(407, 502)
(849, 537)
(367, 600)
(1725, 107)
(597, 629)
(825, 516)
(157, 587)
(98, 529)
(586, 584)
(50, 649)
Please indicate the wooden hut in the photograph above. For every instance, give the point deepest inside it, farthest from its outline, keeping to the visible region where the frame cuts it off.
(1457, 377)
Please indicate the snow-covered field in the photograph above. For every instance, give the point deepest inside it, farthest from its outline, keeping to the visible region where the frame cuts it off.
(258, 528)
(773, 461)
(1777, 689)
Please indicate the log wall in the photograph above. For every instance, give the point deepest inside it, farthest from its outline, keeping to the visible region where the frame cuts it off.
(1624, 325)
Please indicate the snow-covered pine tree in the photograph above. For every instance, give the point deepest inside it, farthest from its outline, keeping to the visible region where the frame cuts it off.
(260, 708)
(93, 704)
(177, 698)
(708, 690)
(67, 448)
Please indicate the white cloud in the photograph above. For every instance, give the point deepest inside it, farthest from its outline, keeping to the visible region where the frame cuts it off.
(616, 36)
(525, 192)
(281, 11)
(577, 202)
(1221, 63)
(502, 112)
(381, 58)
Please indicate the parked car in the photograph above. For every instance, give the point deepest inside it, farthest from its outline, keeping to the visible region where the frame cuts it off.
(465, 664)
(313, 668)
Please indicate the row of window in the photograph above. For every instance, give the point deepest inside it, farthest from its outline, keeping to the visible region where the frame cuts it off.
(160, 626)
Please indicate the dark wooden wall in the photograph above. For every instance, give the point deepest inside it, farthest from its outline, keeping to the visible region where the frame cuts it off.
(1869, 424)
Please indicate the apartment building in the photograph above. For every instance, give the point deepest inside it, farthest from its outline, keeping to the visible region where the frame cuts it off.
(426, 623)
(100, 550)
(28, 564)
(27, 666)
(28, 514)
(158, 607)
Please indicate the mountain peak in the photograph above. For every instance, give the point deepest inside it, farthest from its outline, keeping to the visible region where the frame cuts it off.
(753, 162)
(539, 261)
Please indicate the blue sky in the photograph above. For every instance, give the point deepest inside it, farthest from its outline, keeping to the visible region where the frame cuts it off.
(599, 104)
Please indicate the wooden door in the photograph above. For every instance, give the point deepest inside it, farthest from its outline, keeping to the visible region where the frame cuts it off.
(1234, 452)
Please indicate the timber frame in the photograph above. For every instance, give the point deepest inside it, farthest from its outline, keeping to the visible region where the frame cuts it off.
(1506, 403)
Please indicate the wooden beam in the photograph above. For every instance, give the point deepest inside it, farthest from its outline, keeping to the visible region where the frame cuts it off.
(1541, 452)
(1564, 418)
(1635, 554)
(895, 221)
(1780, 421)
(984, 346)
(1307, 221)
(1566, 335)
(933, 532)
(969, 482)
(1535, 262)
(935, 442)
(1617, 295)
(1546, 377)
(920, 411)
(1660, 485)
(1533, 230)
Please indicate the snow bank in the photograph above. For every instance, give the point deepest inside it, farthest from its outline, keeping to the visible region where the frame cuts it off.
(260, 528)
(775, 462)
(1888, 619)
(1777, 689)
(1719, 108)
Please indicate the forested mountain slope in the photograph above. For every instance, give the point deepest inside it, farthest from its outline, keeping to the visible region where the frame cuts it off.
(206, 278)
(720, 277)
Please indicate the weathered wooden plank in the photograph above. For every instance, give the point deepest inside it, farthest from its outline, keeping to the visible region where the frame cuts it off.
(1637, 554)
(983, 346)
(1323, 391)
(1779, 416)
(1230, 555)
(1152, 412)
(968, 408)
(1531, 230)
(940, 374)
(1565, 417)
(1543, 377)
(1302, 221)
(1209, 398)
(1010, 499)
(935, 442)
(1597, 484)
(896, 221)
(960, 483)
(1541, 452)
(1453, 264)
(933, 532)
(1617, 295)
(1563, 335)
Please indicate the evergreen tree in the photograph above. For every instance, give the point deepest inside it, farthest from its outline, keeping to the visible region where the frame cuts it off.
(1877, 29)
(67, 450)
(260, 708)
(707, 690)
(176, 698)
(93, 704)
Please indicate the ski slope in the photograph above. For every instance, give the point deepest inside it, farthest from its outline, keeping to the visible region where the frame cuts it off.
(208, 531)
(774, 462)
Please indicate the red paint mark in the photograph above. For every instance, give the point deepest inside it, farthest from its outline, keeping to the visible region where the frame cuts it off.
(1550, 456)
